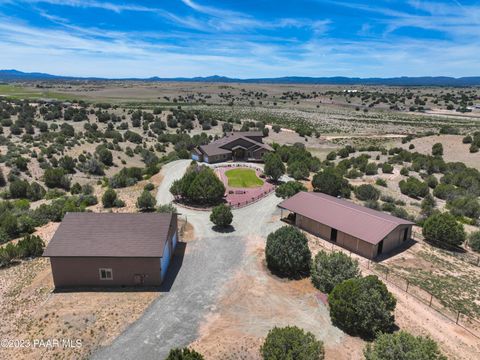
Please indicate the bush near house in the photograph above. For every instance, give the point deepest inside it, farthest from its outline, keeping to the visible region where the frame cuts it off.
(329, 270)
(184, 354)
(289, 189)
(274, 167)
(367, 192)
(331, 182)
(362, 306)
(287, 252)
(29, 246)
(221, 215)
(403, 346)
(146, 202)
(291, 343)
(443, 229)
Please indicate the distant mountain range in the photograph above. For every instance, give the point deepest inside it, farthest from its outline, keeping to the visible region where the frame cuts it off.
(15, 75)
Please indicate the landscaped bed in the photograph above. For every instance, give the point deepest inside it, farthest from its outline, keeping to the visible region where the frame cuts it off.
(243, 178)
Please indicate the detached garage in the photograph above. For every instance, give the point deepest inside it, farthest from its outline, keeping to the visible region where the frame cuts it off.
(361, 230)
(107, 249)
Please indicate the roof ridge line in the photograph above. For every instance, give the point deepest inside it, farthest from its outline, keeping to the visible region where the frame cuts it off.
(357, 210)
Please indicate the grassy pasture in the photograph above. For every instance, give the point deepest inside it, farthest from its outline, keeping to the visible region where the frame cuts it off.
(243, 178)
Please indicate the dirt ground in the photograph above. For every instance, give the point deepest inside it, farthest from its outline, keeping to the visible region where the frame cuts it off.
(256, 301)
(453, 149)
(411, 314)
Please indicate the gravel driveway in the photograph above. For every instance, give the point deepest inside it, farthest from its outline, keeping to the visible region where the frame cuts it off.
(195, 280)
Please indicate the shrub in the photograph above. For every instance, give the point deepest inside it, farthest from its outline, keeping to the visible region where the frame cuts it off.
(146, 202)
(404, 171)
(105, 156)
(387, 168)
(274, 167)
(474, 241)
(167, 208)
(468, 206)
(367, 192)
(184, 354)
(443, 229)
(331, 182)
(3, 182)
(413, 187)
(428, 205)
(362, 306)
(437, 149)
(403, 346)
(329, 270)
(287, 252)
(332, 155)
(291, 342)
(381, 182)
(56, 178)
(31, 246)
(298, 170)
(431, 181)
(371, 169)
(108, 198)
(289, 189)
(199, 185)
(221, 215)
(149, 187)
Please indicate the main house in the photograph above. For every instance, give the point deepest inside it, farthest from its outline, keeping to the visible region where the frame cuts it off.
(108, 249)
(239, 146)
(359, 229)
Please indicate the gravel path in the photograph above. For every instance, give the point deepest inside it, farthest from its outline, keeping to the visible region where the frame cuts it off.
(194, 280)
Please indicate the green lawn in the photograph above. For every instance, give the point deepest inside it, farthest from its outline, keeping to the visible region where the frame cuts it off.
(243, 178)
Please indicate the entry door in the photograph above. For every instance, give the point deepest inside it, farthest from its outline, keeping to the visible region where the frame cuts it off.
(333, 235)
(405, 234)
(380, 247)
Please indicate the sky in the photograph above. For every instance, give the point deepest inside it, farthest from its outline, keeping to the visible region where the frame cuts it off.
(241, 38)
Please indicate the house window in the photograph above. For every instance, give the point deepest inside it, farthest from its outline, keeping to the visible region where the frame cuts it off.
(106, 274)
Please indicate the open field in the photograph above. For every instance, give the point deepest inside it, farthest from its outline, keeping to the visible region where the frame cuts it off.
(134, 136)
(243, 178)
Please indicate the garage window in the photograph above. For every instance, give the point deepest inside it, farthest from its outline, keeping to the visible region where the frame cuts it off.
(106, 274)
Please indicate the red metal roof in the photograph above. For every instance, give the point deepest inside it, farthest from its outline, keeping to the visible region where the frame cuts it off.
(358, 221)
(111, 235)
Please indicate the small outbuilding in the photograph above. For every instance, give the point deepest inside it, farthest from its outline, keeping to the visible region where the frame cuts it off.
(359, 229)
(112, 249)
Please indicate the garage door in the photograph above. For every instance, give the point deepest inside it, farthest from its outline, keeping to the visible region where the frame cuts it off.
(165, 261)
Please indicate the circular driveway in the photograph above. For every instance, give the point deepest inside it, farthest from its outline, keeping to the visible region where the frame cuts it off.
(195, 278)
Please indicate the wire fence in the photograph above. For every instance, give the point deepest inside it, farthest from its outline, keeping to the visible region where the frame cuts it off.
(468, 323)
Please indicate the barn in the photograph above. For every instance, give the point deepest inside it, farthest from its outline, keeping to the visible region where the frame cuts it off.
(362, 230)
(112, 249)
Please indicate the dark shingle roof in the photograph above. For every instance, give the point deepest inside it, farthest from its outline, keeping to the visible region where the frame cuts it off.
(359, 221)
(111, 235)
(215, 147)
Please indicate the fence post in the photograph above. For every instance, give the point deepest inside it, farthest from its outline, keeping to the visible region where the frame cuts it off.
(458, 317)
(406, 290)
(368, 264)
(431, 298)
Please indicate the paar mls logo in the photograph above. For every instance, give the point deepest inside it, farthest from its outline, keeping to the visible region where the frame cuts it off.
(57, 343)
